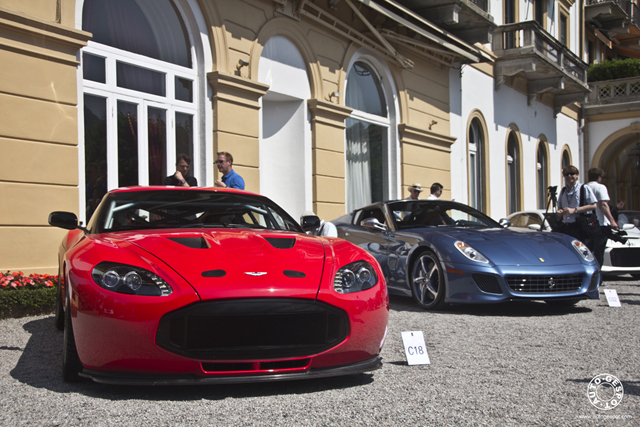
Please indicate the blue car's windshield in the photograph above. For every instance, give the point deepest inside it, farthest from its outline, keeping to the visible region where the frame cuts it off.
(428, 213)
(154, 209)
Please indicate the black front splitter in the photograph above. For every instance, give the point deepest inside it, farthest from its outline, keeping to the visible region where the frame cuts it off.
(160, 380)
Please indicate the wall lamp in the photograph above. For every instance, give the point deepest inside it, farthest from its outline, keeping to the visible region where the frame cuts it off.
(241, 63)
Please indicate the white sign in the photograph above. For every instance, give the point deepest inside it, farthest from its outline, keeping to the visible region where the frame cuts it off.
(415, 348)
(612, 298)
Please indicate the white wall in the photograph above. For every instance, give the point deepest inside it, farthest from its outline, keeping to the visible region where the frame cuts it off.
(472, 90)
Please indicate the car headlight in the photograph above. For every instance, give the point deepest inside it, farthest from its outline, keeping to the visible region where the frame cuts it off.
(583, 250)
(355, 277)
(127, 279)
(470, 253)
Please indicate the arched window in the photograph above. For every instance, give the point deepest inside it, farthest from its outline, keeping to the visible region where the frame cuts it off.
(566, 158)
(141, 94)
(369, 156)
(542, 174)
(476, 170)
(513, 174)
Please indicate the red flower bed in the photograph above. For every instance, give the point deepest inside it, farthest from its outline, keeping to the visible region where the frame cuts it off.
(19, 281)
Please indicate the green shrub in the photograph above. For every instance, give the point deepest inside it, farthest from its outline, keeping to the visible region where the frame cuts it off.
(22, 295)
(614, 69)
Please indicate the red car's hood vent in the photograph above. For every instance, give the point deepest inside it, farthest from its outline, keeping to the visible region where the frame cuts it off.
(191, 242)
(281, 243)
(240, 262)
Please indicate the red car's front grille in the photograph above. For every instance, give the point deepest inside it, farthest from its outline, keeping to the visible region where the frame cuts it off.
(256, 367)
(252, 329)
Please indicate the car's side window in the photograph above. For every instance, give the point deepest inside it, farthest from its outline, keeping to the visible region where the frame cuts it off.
(370, 213)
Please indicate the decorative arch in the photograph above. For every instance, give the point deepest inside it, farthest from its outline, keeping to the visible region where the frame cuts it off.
(597, 161)
(284, 27)
(517, 188)
(485, 184)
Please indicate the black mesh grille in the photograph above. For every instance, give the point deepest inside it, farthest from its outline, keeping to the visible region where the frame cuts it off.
(545, 284)
(625, 257)
(487, 283)
(252, 328)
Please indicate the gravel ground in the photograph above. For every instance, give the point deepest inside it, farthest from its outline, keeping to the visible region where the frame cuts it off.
(510, 364)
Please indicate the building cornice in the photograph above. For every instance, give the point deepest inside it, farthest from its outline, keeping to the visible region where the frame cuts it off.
(39, 38)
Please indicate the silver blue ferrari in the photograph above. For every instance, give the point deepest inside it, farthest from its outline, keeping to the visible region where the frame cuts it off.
(442, 252)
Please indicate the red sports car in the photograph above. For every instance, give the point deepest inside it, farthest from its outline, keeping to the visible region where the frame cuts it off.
(172, 285)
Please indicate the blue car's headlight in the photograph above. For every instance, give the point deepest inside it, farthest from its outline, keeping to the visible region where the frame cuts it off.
(127, 279)
(355, 277)
(582, 249)
(470, 253)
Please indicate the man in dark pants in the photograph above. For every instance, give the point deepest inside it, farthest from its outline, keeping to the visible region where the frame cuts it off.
(605, 218)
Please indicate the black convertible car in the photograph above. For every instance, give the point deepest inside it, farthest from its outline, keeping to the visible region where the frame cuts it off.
(446, 252)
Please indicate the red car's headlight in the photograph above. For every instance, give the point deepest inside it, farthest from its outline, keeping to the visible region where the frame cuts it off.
(127, 279)
(355, 277)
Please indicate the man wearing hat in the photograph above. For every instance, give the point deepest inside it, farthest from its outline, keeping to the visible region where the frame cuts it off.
(414, 192)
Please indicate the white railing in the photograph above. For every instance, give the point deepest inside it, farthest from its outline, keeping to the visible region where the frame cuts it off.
(615, 91)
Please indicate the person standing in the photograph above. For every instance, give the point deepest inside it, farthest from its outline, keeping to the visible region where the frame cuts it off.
(414, 192)
(181, 178)
(605, 218)
(436, 191)
(230, 179)
(570, 206)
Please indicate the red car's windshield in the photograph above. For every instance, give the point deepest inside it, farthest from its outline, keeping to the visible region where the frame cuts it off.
(154, 209)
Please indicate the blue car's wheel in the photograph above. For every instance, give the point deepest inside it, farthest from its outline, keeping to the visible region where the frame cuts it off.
(427, 281)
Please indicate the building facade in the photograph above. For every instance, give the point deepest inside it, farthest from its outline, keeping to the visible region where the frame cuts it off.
(326, 105)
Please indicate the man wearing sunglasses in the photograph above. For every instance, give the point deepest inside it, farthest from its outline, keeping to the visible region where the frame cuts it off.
(570, 206)
(230, 179)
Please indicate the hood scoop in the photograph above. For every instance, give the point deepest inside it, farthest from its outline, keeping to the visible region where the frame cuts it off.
(191, 242)
(281, 242)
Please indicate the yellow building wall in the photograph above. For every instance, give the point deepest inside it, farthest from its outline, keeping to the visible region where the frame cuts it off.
(38, 131)
(39, 117)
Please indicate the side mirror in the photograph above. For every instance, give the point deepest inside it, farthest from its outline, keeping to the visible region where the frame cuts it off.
(505, 223)
(535, 227)
(66, 220)
(309, 223)
(373, 223)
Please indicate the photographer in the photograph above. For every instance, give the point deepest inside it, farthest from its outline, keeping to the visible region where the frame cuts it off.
(575, 200)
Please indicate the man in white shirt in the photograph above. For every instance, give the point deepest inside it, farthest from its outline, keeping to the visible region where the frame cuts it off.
(569, 206)
(321, 227)
(436, 191)
(605, 218)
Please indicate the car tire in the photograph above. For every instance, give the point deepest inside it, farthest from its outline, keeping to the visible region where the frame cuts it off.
(427, 281)
(562, 302)
(71, 366)
(59, 318)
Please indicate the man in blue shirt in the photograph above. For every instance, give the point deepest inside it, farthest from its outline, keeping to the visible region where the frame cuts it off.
(230, 179)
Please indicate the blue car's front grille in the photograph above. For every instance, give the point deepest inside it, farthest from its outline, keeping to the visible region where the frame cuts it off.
(534, 284)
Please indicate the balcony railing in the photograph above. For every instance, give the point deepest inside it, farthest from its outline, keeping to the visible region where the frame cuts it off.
(621, 3)
(482, 4)
(522, 38)
(617, 91)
